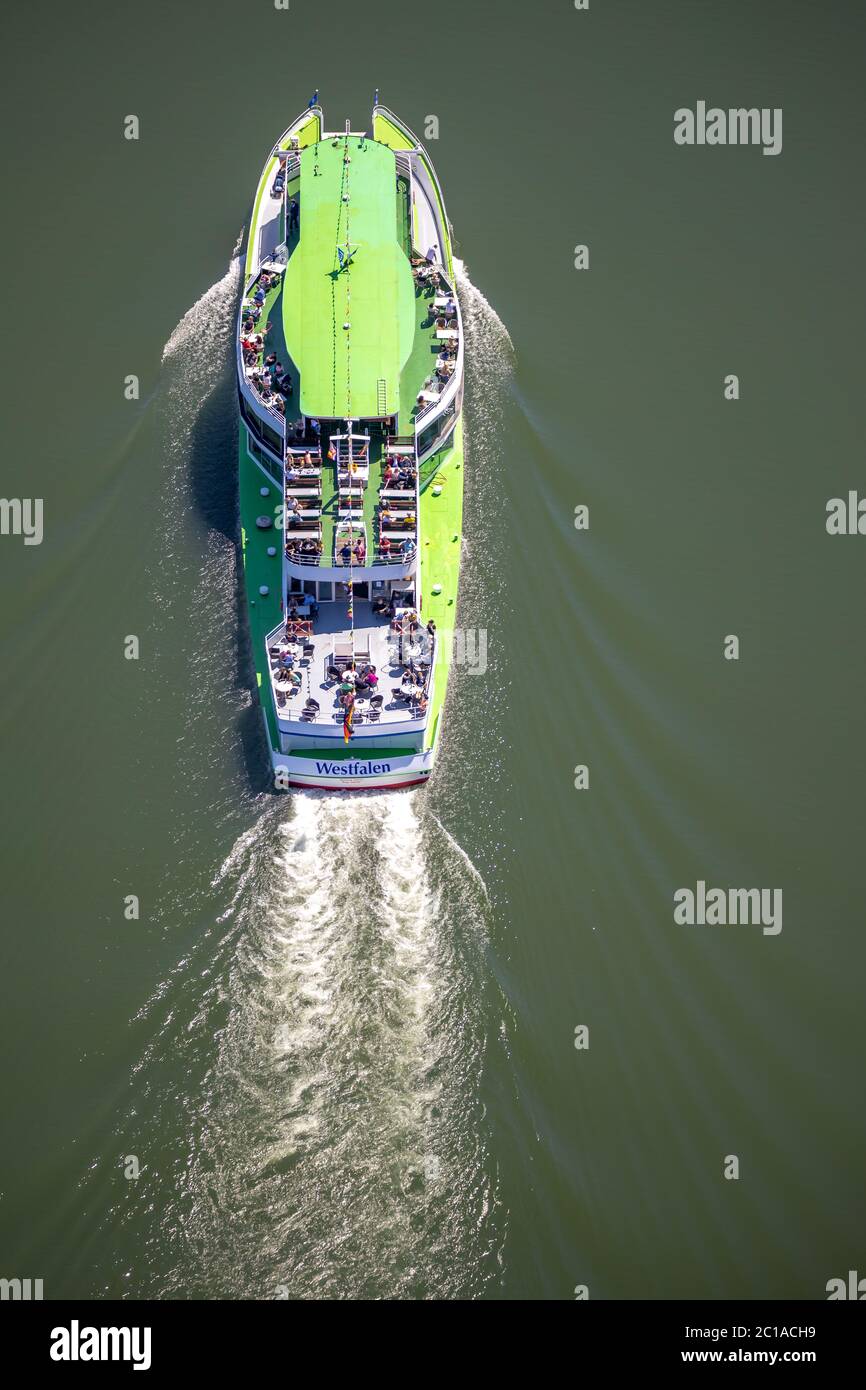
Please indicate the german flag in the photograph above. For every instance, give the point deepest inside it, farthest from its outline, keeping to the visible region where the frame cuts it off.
(347, 720)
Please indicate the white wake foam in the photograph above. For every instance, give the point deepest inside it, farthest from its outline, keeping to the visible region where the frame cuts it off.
(481, 320)
(204, 327)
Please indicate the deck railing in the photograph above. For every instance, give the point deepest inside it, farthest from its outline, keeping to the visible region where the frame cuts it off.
(251, 396)
(373, 557)
(450, 390)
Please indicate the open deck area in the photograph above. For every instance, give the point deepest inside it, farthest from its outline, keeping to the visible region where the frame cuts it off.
(351, 504)
(397, 650)
(401, 344)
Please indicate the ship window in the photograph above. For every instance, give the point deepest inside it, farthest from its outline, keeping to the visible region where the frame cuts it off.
(272, 439)
(326, 590)
(295, 586)
(310, 587)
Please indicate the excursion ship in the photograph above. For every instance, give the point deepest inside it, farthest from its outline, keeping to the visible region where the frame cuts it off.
(350, 384)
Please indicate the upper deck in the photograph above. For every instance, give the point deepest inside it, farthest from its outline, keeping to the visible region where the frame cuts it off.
(348, 302)
(358, 306)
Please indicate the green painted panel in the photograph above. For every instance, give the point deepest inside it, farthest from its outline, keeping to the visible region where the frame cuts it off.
(341, 369)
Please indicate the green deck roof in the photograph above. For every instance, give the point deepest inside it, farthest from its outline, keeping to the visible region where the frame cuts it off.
(349, 373)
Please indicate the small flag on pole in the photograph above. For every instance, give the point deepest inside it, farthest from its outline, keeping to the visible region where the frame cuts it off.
(347, 720)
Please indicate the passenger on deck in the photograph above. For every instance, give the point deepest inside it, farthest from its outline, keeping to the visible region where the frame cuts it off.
(259, 297)
(371, 679)
(385, 545)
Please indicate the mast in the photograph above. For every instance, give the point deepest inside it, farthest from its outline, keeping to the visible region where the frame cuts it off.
(348, 327)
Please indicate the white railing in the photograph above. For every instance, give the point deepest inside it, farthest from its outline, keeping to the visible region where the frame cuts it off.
(428, 413)
(373, 557)
(250, 395)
